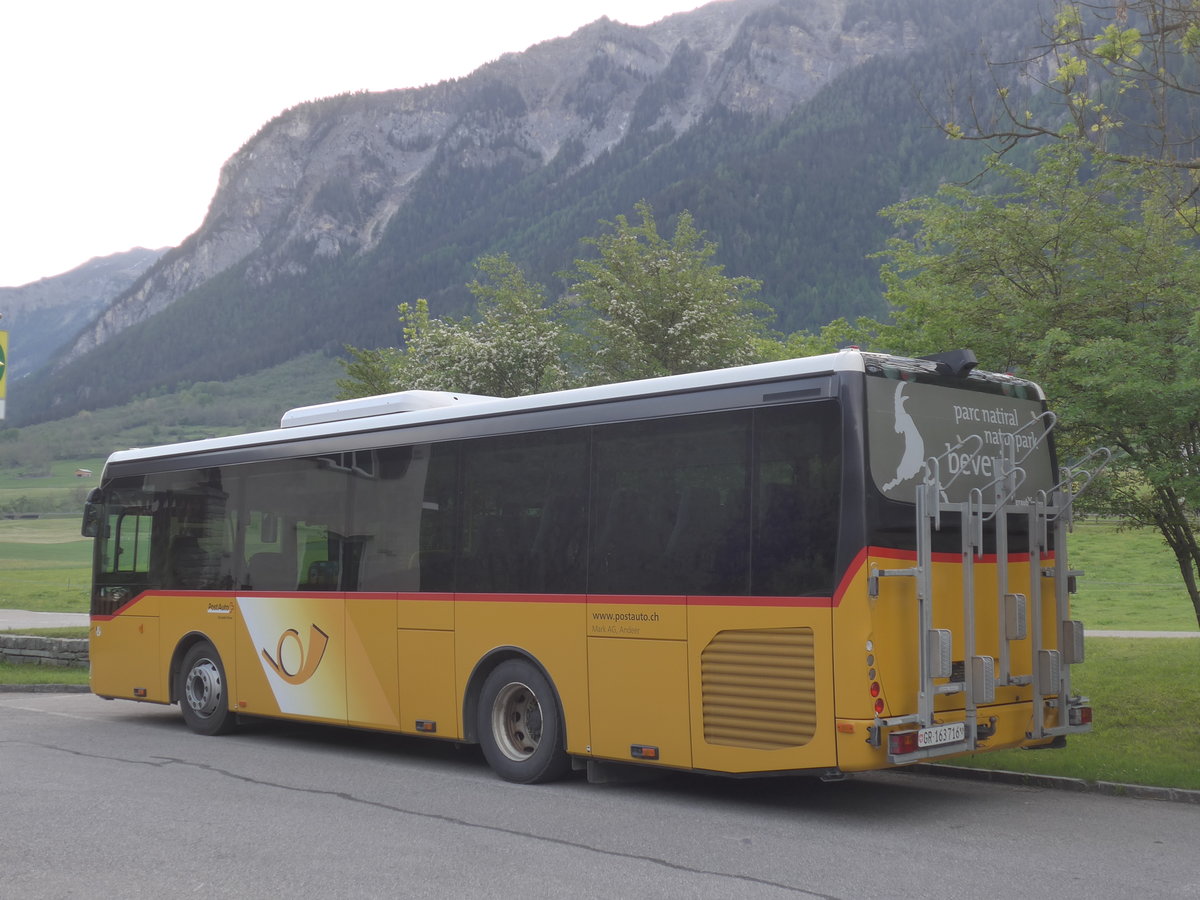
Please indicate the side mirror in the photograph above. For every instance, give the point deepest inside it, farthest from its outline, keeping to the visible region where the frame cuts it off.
(93, 512)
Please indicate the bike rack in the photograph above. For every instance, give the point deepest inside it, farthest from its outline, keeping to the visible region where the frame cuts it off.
(1049, 515)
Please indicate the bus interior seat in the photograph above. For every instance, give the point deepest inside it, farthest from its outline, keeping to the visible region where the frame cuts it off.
(554, 556)
(380, 569)
(695, 537)
(192, 568)
(492, 564)
(779, 541)
(270, 572)
(433, 570)
(630, 546)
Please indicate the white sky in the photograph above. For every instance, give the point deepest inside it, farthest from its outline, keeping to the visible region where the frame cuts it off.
(116, 115)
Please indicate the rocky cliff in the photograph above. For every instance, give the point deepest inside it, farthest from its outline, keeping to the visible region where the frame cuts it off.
(323, 180)
(45, 315)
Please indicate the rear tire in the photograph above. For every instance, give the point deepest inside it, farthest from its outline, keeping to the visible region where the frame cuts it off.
(203, 692)
(519, 725)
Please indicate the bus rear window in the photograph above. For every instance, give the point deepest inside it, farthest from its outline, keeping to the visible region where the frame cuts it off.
(964, 430)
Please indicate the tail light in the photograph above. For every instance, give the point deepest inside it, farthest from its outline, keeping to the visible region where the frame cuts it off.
(901, 743)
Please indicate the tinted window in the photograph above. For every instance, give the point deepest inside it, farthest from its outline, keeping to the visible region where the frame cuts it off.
(524, 513)
(193, 540)
(671, 506)
(404, 517)
(729, 503)
(798, 470)
(294, 523)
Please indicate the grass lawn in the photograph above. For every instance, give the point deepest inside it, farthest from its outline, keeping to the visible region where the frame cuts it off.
(12, 673)
(1144, 731)
(48, 487)
(46, 565)
(1130, 582)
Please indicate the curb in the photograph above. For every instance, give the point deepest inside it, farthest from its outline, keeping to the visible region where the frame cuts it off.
(1060, 783)
(44, 689)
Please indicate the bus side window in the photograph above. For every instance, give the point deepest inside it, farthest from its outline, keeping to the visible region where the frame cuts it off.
(671, 506)
(269, 571)
(512, 486)
(129, 542)
(434, 560)
(798, 486)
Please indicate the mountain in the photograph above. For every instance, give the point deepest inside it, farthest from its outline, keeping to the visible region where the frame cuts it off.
(44, 316)
(782, 125)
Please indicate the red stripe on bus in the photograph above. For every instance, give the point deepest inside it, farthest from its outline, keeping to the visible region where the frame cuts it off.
(955, 558)
(119, 610)
(520, 598)
(795, 602)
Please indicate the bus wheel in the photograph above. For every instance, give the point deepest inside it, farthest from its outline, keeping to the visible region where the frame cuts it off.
(202, 691)
(520, 727)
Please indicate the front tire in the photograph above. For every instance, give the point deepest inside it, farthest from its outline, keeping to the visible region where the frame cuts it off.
(203, 691)
(520, 726)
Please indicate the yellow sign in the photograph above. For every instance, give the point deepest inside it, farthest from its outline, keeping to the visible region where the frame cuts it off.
(3, 368)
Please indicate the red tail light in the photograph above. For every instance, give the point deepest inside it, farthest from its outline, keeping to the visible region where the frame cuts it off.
(1080, 715)
(902, 742)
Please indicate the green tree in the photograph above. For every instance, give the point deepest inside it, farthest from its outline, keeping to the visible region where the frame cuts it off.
(1119, 75)
(650, 307)
(661, 307)
(1083, 277)
(518, 346)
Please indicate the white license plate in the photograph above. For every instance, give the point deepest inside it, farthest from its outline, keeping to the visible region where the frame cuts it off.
(953, 733)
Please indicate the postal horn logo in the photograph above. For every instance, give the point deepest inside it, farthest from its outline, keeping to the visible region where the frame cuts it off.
(294, 663)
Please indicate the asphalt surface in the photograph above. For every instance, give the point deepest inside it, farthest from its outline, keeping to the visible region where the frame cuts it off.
(1142, 634)
(24, 618)
(121, 800)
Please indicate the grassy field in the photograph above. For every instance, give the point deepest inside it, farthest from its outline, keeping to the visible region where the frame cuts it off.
(1131, 580)
(1144, 731)
(201, 410)
(48, 487)
(46, 565)
(11, 673)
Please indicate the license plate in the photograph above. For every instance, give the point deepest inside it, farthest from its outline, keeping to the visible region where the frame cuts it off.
(953, 733)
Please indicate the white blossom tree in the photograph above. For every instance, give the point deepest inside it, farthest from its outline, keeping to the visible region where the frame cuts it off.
(662, 307)
(518, 346)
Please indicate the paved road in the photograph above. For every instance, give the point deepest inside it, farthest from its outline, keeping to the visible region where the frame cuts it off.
(24, 618)
(1143, 634)
(118, 799)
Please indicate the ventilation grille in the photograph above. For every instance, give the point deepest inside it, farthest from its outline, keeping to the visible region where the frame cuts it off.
(759, 688)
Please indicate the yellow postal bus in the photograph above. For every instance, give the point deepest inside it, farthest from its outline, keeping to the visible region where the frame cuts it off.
(822, 566)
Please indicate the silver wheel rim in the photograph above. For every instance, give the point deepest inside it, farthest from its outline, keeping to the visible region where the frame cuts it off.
(517, 721)
(202, 688)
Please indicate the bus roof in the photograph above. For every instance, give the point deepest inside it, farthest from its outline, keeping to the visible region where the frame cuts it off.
(409, 408)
